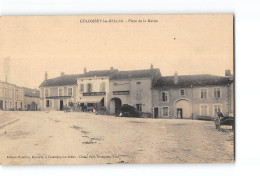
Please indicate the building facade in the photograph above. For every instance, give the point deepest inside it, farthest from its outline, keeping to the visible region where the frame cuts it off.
(58, 92)
(85, 90)
(192, 96)
(13, 97)
(132, 88)
(93, 89)
(31, 99)
(7, 96)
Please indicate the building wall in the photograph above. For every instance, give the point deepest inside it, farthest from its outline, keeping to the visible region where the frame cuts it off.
(19, 98)
(55, 96)
(139, 92)
(96, 87)
(29, 101)
(7, 96)
(191, 101)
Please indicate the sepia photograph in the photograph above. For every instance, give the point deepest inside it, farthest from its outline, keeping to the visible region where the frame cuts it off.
(117, 89)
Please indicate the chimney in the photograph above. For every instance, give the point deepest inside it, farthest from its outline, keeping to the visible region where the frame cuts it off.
(62, 74)
(227, 73)
(151, 67)
(111, 68)
(46, 76)
(175, 78)
(85, 70)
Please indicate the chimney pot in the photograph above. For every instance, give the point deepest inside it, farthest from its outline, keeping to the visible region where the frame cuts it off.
(151, 67)
(111, 68)
(175, 78)
(62, 73)
(85, 70)
(227, 73)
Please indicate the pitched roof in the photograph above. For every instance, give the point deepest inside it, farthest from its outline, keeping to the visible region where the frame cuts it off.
(72, 79)
(188, 80)
(135, 74)
(31, 92)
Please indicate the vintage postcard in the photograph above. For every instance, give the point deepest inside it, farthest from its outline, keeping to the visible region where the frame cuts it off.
(112, 89)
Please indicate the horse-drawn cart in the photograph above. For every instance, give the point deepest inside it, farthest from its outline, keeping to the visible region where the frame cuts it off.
(224, 120)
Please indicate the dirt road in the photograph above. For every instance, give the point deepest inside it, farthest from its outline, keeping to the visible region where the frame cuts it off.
(82, 138)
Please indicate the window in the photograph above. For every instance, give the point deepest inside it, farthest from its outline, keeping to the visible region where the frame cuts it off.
(182, 92)
(165, 111)
(138, 82)
(139, 107)
(47, 103)
(204, 110)
(10, 94)
(216, 92)
(6, 95)
(89, 87)
(165, 96)
(65, 91)
(102, 87)
(203, 93)
(46, 92)
(81, 87)
(1, 92)
(60, 92)
(217, 108)
(138, 95)
(70, 91)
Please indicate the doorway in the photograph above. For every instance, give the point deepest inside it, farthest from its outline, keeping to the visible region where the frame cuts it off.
(61, 105)
(179, 113)
(115, 104)
(155, 112)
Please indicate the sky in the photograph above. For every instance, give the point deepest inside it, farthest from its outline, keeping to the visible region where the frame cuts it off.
(188, 44)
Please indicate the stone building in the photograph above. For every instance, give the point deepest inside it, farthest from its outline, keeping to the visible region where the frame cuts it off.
(56, 93)
(13, 97)
(132, 88)
(192, 96)
(31, 99)
(71, 90)
(7, 96)
(93, 89)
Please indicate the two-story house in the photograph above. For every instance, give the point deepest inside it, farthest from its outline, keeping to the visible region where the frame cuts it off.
(192, 96)
(132, 88)
(7, 96)
(93, 89)
(56, 93)
(87, 89)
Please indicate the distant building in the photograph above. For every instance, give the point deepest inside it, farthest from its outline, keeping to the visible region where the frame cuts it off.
(7, 96)
(19, 103)
(192, 96)
(31, 99)
(13, 97)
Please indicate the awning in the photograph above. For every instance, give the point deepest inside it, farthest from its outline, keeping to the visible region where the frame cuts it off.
(90, 99)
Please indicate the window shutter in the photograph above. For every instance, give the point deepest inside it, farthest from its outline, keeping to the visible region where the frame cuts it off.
(160, 112)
